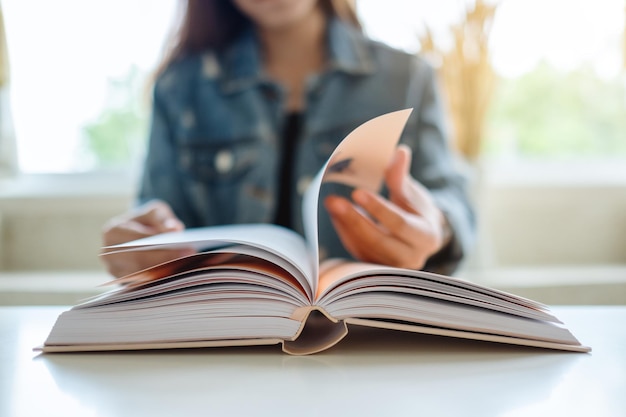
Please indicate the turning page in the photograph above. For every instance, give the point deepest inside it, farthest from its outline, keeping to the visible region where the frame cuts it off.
(359, 161)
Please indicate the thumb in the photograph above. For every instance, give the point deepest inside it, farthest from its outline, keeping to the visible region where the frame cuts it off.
(160, 217)
(397, 174)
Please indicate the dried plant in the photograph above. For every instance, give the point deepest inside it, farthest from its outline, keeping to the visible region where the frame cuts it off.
(467, 75)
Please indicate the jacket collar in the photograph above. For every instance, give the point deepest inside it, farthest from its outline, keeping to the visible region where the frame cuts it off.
(348, 49)
(240, 65)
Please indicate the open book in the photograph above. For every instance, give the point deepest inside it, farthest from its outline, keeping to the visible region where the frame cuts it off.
(263, 284)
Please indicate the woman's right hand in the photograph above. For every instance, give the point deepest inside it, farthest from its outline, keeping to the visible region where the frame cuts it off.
(150, 219)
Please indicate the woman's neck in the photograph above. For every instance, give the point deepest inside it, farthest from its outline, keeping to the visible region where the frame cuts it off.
(294, 52)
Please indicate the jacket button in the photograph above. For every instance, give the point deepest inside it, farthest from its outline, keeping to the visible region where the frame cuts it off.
(188, 119)
(210, 66)
(224, 161)
(303, 184)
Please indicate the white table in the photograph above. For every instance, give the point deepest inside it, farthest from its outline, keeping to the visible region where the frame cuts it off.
(374, 372)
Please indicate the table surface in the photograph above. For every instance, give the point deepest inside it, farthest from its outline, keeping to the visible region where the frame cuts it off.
(371, 372)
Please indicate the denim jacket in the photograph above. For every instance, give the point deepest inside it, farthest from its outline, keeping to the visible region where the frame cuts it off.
(217, 120)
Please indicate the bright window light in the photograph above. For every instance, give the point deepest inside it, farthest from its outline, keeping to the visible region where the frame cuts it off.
(77, 71)
(560, 91)
(564, 33)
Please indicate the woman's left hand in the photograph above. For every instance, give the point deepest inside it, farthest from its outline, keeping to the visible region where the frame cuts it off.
(403, 231)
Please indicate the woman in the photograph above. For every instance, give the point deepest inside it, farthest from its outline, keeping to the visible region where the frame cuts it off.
(248, 104)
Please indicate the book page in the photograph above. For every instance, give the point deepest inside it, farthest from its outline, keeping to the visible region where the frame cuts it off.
(228, 255)
(251, 276)
(359, 161)
(340, 278)
(356, 291)
(266, 238)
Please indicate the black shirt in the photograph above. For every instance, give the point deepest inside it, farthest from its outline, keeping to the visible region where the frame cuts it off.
(291, 132)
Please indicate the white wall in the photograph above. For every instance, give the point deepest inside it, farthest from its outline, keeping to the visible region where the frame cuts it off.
(546, 225)
(53, 222)
(54, 233)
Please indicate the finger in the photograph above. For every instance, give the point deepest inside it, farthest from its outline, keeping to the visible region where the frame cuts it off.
(125, 232)
(361, 236)
(420, 200)
(397, 174)
(382, 249)
(395, 220)
(337, 208)
(404, 190)
(152, 218)
(420, 234)
(159, 216)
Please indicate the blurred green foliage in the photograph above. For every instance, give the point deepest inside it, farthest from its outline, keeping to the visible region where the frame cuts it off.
(117, 136)
(548, 113)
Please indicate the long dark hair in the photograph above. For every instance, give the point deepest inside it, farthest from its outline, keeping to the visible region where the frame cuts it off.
(213, 24)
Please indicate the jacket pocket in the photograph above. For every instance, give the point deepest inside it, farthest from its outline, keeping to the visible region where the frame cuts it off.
(217, 162)
(230, 180)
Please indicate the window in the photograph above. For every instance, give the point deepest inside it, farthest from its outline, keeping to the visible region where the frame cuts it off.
(78, 79)
(559, 70)
(79, 72)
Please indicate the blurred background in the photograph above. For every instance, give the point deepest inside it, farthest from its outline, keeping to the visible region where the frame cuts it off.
(535, 91)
